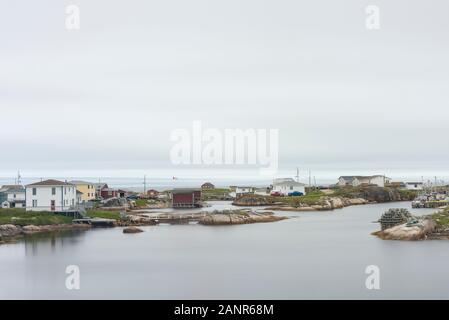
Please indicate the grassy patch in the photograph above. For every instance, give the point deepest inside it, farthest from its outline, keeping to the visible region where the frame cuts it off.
(104, 214)
(408, 194)
(315, 197)
(441, 219)
(216, 191)
(211, 194)
(228, 212)
(347, 192)
(20, 217)
(141, 202)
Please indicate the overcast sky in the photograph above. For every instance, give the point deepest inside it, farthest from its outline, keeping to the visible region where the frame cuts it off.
(103, 100)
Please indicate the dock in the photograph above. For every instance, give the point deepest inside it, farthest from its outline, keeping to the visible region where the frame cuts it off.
(96, 222)
(175, 218)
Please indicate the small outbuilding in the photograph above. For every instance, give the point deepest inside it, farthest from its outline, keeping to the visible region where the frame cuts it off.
(186, 198)
(207, 186)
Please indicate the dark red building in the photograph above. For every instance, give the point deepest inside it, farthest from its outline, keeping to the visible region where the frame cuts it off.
(186, 198)
(107, 193)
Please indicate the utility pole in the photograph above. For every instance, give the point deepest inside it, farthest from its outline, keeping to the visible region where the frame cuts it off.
(144, 184)
(310, 178)
(297, 174)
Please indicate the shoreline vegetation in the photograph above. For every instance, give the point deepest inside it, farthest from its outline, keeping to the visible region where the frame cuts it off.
(337, 198)
(17, 223)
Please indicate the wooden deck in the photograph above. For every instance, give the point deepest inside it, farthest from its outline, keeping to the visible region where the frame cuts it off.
(175, 218)
(96, 222)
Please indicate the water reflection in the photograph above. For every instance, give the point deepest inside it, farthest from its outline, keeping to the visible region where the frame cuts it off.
(52, 242)
(320, 255)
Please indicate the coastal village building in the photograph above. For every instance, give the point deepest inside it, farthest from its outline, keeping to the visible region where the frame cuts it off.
(288, 186)
(12, 196)
(240, 191)
(98, 188)
(414, 185)
(87, 190)
(207, 186)
(152, 193)
(79, 197)
(50, 195)
(107, 193)
(262, 191)
(186, 198)
(355, 181)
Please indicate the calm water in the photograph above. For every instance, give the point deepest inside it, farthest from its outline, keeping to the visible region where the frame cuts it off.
(313, 255)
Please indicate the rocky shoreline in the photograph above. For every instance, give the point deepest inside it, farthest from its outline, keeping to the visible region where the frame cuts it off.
(325, 205)
(319, 201)
(10, 232)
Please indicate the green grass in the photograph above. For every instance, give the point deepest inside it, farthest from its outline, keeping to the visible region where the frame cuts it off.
(408, 194)
(104, 214)
(347, 192)
(311, 198)
(441, 218)
(20, 217)
(141, 202)
(216, 191)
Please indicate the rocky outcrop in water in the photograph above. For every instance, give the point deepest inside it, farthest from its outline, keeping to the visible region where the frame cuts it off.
(417, 231)
(238, 217)
(132, 230)
(251, 200)
(135, 220)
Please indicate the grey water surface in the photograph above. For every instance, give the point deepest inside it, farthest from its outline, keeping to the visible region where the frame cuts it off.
(313, 255)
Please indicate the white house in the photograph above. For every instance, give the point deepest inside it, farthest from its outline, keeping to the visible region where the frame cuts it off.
(12, 197)
(287, 186)
(50, 195)
(239, 191)
(262, 191)
(356, 181)
(414, 185)
(79, 197)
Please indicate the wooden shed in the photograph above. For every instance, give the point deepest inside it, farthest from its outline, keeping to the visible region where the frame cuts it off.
(186, 198)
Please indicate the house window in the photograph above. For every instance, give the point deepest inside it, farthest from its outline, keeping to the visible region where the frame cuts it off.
(34, 191)
(53, 191)
(291, 187)
(65, 190)
(34, 203)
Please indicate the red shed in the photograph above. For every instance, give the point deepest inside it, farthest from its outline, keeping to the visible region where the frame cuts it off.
(186, 198)
(107, 193)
